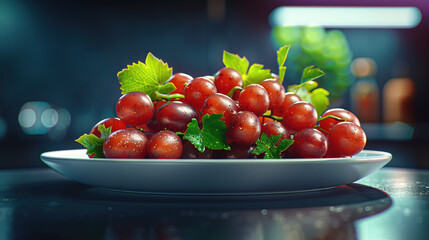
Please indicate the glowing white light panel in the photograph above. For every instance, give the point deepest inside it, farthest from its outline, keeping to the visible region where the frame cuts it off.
(347, 17)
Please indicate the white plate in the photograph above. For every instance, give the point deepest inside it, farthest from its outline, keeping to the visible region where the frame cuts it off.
(214, 176)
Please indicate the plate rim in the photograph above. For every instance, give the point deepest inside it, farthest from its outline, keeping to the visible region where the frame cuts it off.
(61, 162)
(378, 156)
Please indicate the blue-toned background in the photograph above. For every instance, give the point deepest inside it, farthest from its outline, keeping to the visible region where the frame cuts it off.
(64, 55)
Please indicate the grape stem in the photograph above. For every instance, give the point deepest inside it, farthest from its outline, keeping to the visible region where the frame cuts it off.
(168, 97)
(273, 117)
(330, 116)
(321, 129)
(231, 92)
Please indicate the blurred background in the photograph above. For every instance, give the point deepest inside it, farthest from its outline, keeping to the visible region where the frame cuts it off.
(59, 60)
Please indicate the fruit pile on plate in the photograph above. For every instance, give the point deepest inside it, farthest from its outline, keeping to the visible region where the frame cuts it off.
(240, 112)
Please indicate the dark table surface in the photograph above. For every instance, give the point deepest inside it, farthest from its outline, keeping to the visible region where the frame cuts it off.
(392, 203)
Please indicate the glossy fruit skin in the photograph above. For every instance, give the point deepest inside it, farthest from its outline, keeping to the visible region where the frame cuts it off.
(345, 139)
(220, 104)
(153, 124)
(263, 120)
(244, 128)
(226, 79)
(300, 115)
(158, 104)
(175, 116)
(191, 152)
(289, 99)
(198, 90)
(125, 143)
(209, 77)
(275, 128)
(236, 95)
(237, 151)
(180, 80)
(165, 145)
(115, 123)
(135, 108)
(276, 92)
(308, 143)
(254, 98)
(328, 123)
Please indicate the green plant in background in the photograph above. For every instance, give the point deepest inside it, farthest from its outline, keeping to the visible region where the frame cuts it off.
(328, 50)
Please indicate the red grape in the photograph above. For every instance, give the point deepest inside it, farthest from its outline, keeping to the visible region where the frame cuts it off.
(308, 143)
(175, 116)
(264, 120)
(125, 143)
(275, 128)
(276, 92)
(191, 152)
(226, 79)
(180, 80)
(198, 90)
(345, 139)
(115, 123)
(209, 77)
(254, 98)
(300, 115)
(165, 145)
(244, 128)
(157, 104)
(237, 151)
(236, 95)
(328, 123)
(220, 104)
(289, 99)
(135, 108)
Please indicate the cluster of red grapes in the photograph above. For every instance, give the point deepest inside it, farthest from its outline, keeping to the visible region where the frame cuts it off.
(336, 133)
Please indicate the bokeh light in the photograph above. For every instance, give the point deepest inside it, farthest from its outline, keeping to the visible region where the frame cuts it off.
(38, 118)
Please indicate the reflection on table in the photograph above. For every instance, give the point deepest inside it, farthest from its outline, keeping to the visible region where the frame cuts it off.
(40, 204)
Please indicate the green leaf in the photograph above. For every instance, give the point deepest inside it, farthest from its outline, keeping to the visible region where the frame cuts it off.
(105, 132)
(147, 77)
(236, 62)
(309, 85)
(212, 135)
(309, 92)
(272, 154)
(160, 69)
(317, 97)
(311, 73)
(273, 140)
(256, 75)
(167, 88)
(268, 146)
(260, 148)
(320, 100)
(281, 60)
(284, 144)
(94, 144)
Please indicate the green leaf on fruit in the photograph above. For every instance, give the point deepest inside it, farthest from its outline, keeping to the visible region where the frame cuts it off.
(94, 144)
(254, 74)
(281, 60)
(311, 73)
(269, 146)
(147, 77)
(212, 135)
(235, 62)
(320, 100)
(309, 92)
